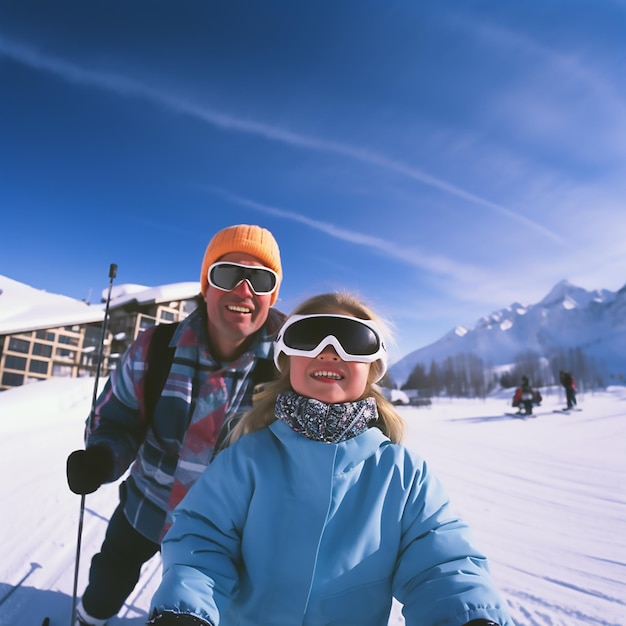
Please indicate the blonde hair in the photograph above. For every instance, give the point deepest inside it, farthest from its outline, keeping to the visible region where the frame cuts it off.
(262, 413)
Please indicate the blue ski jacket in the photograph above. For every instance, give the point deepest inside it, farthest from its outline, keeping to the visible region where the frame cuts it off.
(287, 531)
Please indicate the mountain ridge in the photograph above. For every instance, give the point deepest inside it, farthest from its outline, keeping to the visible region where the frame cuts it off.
(568, 318)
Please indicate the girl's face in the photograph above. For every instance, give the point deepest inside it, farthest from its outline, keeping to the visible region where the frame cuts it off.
(327, 377)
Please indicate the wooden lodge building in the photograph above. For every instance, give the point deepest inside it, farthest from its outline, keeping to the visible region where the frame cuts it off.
(45, 335)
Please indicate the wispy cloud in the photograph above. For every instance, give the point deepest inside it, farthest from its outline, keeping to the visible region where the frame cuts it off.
(467, 284)
(123, 86)
(413, 256)
(567, 93)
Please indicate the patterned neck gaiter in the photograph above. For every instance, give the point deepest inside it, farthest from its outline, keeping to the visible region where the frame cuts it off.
(330, 423)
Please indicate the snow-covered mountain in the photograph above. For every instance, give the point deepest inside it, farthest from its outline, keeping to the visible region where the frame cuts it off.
(569, 317)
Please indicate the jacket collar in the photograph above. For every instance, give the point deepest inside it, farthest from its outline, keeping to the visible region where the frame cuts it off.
(345, 455)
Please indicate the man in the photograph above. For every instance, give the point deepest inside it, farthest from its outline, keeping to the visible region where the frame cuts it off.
(217, 349)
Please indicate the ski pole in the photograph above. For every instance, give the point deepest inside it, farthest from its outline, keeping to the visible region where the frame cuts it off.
(112, 275)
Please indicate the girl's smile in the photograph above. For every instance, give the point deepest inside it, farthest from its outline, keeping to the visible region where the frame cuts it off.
(328, 378)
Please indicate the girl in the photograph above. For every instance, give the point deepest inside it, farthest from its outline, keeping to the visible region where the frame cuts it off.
(316, 514)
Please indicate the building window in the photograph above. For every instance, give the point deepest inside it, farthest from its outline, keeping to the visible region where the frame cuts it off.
(146, 322)
(92, 337)
(38, 367)
(45, 334)
(71, 341)
(167, 316)
(9, 379)
(65, 353)
(18, 345)
(41, 349)
(188, 306)
(15, 363)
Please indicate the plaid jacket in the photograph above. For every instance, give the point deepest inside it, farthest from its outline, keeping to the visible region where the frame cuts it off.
(170, 451)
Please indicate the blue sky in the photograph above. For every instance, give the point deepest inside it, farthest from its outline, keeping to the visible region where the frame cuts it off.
(441, 159)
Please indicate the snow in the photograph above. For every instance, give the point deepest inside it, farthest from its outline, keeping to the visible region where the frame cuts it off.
(163, 293)
(545, 498)
(506, 325)
(24, 308)
(121, 291)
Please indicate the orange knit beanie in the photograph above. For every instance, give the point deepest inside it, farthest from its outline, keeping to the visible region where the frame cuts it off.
(253, 240)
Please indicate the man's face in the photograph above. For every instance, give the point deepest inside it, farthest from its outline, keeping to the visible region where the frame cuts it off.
(233, 316)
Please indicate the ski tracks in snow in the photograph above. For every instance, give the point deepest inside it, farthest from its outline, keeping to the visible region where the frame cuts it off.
(544, 497)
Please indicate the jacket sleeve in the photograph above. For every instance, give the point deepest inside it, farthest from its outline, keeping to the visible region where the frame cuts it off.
(441, 577)
(202, 550)
(117, 421)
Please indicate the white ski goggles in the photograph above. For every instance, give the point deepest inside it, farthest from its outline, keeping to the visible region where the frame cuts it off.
(352, 338)
(225, 276)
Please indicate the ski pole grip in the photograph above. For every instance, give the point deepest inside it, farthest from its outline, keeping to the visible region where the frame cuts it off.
(113, 270)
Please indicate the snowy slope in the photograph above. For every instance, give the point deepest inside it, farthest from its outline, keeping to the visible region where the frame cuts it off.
(23, 307)
(567, 317)
(544, 496)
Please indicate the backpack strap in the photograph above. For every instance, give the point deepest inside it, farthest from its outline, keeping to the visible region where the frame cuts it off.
(264, 372)
(158, 364)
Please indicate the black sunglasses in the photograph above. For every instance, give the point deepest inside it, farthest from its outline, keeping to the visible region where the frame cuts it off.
(226, 276)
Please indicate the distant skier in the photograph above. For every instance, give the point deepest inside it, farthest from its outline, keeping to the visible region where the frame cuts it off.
(569, 384)
(524, 397)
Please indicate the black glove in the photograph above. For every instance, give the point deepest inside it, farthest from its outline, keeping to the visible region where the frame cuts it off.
(480, 622)
(176, 619)
(88, 469)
